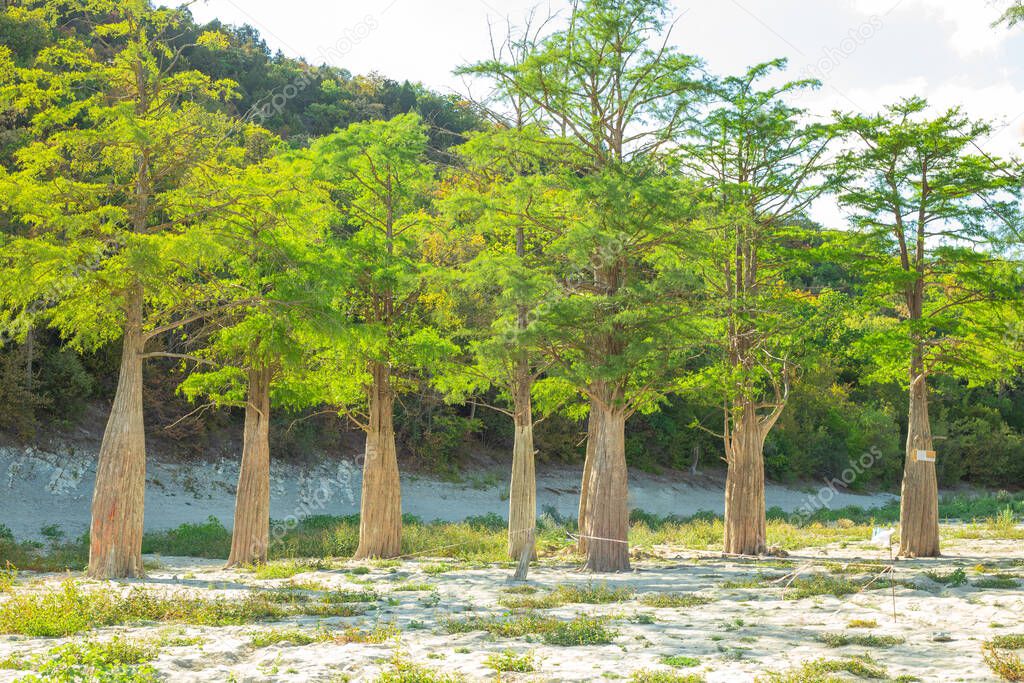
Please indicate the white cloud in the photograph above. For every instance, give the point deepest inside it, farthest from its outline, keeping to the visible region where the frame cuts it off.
(1001, 103)
(969, 21)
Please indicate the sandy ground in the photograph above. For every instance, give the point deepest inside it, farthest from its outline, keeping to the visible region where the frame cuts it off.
(40, 488)
(741, 634)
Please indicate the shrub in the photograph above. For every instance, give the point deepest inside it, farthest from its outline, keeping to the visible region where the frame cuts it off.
(1004, 663)
(206, 539)
(957, 577)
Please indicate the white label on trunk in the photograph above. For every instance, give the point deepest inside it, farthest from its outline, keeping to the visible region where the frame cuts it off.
(925, 456)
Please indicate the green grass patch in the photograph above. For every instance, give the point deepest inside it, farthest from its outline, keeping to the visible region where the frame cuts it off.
(579, 631)
(380, 633)
(808, 585)
(209, 539)
(413, 586)
(956, 577)
(673, 600)
(510, 661)
(861, 640)
(1008, 642)
(821, 584)
(286, 569)
(70, 609)
(759, 581)
(862, 623)
(565, 594)
(824, 670)
(287, 636)
(39, 557)
(1000, 582)
(661, 676)
(113, 661)
(402, 670)
(680, 661)
(343, 596)
(484, 539)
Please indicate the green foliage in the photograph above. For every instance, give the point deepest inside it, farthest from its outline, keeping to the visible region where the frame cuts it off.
(1006, 664)
(206, 539)
(999, 582)
(564, 594)
(680, 661)
(293, 636)
(1008, 642)
(114, 661)
(270, 245)
(1013, 15)
(820, 584)
(402, 670)
(761, 166)
(579, 631)
(284, 569)
(587, 251)
(957, 577)
(621, 283)
(72, 609)
(821, 670)
(97, 195)
(661, 676)
(931, 213)
(673, 600)
(510, 661)
(31, 556)
(379, 175)
(844, 639)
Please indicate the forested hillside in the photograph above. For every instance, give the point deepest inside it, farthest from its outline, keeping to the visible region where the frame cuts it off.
(833, 413)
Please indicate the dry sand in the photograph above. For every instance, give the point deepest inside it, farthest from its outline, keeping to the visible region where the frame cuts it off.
(40, 488)
(742, 633)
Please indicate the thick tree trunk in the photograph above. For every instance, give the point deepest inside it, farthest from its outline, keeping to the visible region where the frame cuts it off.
(607, 491)
(115, 536)
(588, 462)
(745, 525)
(250, 534)
(380, 520)
(919, 497)
(522, 498)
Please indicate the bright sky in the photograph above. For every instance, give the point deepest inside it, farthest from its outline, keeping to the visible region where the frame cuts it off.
(866, 52)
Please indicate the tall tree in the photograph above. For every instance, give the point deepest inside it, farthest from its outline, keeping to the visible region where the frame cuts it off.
(500, 201)
(762, 166)
(609, 82)
(115, 131)
(931, 207)
(381, 182)
(271, 239)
